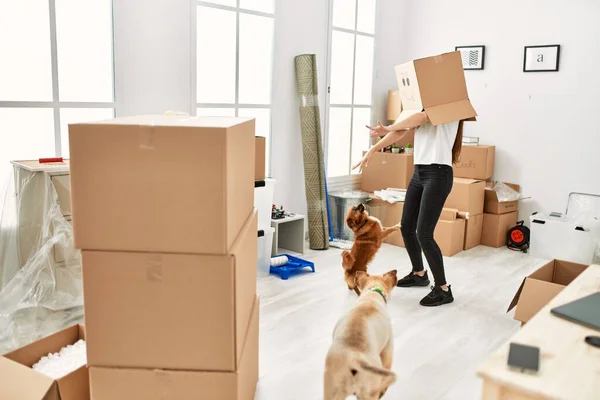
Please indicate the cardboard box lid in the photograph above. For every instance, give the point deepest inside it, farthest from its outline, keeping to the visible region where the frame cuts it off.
(173, 120)
(437, 86)
(17, 366)
(466, 181)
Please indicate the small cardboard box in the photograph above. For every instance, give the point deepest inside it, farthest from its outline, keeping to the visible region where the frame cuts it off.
(539, 288)
(161, 183)
(450, 233)
(170, 311)
(494, 206)
(387, 170)
(467, 195)
(476, 162)
(160, 384)
(20, 382)
(437, 86)
(260, 169)
(496, 227)
(473, 229)
(389, 215)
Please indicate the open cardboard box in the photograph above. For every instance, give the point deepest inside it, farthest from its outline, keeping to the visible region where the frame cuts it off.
(539, 288)
(163, 384)
(20, 382)
(494, 206)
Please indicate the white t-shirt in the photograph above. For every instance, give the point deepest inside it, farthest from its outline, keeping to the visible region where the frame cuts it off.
(433, 144)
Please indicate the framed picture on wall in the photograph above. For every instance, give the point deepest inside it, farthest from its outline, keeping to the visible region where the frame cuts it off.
(473, 57)
(541, 58)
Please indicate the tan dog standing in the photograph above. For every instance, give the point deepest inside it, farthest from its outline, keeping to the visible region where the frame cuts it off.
(359, 360)
(369, 234)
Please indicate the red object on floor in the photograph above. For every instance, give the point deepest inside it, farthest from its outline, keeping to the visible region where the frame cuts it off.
(50, 160)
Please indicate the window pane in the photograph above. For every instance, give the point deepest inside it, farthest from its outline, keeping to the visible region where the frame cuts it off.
(366, 16)
(78, 115)
(338, 151)
(363, 75)
(263, 126)
(256, 55)
(25, 66)
(360, 134)
(230, 3)
(215, 112)
(84, 40)
(344, 14)
(342, 58)
(257, 5)
(215, 73)
(25, 134)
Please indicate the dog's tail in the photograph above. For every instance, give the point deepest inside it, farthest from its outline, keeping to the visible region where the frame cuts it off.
(386, 373)
(347, 260)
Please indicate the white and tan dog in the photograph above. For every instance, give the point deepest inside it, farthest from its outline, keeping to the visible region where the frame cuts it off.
(359, 360)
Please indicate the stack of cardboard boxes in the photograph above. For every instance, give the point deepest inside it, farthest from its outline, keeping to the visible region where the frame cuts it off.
(163, 212)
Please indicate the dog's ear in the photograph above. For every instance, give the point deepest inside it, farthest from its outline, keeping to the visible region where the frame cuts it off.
(360, 279)
(391, 278)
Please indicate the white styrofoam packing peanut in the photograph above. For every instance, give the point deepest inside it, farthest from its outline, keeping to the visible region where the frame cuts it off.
(67, 360)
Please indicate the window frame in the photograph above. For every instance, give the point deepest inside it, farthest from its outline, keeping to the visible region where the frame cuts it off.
(56, 105)
(236, 105)
(351, 179)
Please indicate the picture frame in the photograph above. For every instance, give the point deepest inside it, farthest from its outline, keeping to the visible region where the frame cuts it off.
(473, 57)
(542, 58)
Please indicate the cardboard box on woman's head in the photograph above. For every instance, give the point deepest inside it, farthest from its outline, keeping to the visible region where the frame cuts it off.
(437, 86)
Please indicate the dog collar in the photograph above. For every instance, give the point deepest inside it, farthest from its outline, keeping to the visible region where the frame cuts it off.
(379, 289)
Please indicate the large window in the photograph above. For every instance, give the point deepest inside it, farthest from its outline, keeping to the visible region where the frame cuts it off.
(351, 56)
(234, 57)
(56, 68)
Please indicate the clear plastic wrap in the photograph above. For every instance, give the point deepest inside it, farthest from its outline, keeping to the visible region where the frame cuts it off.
(505, 193)
(40, 271)
(584, 210)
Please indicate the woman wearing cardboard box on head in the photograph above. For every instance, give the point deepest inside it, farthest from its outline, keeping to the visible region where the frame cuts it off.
(434, 104)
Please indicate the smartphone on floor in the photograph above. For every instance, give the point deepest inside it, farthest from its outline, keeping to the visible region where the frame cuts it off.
(524, 358)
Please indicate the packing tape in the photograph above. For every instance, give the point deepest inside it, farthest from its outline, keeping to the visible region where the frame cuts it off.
(309, 101)
(146, 138)
(154, 272)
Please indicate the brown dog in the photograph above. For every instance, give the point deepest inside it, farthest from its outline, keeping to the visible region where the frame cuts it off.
(369, 234)
(359, 360)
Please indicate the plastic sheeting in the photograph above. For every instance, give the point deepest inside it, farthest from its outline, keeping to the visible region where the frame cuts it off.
(38, 295)
(584, 210)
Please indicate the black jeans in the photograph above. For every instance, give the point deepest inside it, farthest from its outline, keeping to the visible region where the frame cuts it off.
(427, 192)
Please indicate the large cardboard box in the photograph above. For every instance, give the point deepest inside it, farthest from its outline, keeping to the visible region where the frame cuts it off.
(389, 215)
(496, 227)
(473, 229)
(476, 162)
(437, 86)
(19, 382)
(161, 183)
(467, 195)
(539, 288)
(162, 384)
(494, 206)
(450, 233)
(170, 311)
(260, 169)
(387, 170)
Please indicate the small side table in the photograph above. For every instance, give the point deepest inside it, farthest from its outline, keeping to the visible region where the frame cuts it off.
(289, 234)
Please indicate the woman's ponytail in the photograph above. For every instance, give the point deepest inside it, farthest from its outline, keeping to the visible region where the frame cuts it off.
(457, 147)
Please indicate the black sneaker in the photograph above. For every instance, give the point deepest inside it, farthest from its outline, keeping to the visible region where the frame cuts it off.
(437, 297)
(413, 279)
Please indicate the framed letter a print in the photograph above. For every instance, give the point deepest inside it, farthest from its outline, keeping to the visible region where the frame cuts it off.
(541, 58)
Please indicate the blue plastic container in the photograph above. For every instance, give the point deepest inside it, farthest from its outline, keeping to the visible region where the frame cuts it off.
(293, 266)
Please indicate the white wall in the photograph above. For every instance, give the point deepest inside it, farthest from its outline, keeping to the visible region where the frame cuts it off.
(153, 65)
(546, 126)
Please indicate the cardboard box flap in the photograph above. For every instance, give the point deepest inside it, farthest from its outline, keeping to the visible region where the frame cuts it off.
(535, 295)
(491, 195)
(23, 383)
(173, 120)
(515, 299)
(466, 181)
(30, 354)
(450, 112)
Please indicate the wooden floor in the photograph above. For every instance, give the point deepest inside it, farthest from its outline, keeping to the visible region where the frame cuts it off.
(436, 350)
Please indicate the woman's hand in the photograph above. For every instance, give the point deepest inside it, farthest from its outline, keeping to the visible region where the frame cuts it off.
(379, 130)
(364, 162)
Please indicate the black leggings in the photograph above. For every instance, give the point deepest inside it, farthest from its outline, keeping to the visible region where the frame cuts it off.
(425, 198)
